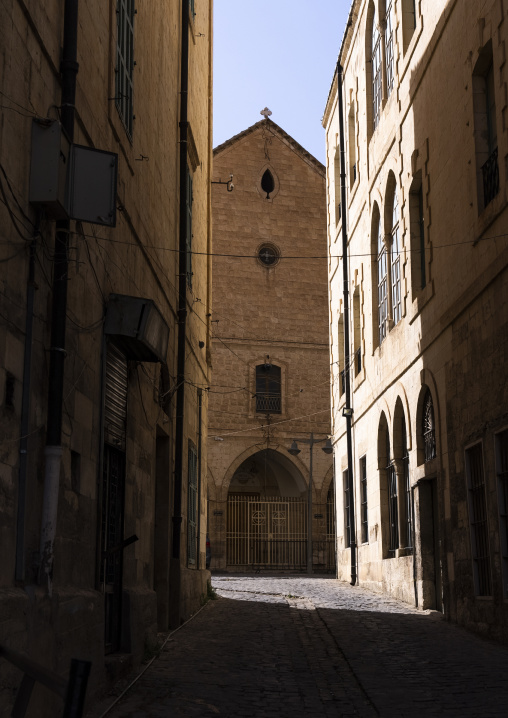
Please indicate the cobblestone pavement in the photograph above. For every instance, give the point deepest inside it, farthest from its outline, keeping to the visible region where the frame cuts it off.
(302, 647)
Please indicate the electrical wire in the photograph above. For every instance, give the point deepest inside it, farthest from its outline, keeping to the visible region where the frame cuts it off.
(273, 423)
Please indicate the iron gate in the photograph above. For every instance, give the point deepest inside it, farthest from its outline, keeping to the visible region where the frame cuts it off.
(267, 533)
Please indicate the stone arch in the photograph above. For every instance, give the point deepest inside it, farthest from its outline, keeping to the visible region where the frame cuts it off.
(266, 471)
(391, 188)
(384, 456)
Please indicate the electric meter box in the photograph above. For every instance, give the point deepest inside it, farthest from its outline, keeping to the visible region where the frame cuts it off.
(49, 168)
(91, 191)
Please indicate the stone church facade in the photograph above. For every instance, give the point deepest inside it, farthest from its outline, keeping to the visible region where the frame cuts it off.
(425, 147)
(270, 357)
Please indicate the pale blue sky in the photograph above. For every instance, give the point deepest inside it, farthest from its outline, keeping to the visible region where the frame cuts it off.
(280, 54)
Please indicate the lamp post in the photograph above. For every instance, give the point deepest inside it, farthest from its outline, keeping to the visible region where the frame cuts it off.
(294, 451)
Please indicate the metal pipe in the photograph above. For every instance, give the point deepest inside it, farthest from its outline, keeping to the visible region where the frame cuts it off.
(309, 509)
(182, 318)
(200, 436)
(348, 412)
(25, 410)
(53, 453)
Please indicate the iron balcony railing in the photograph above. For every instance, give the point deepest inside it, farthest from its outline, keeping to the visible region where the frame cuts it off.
(490, 172)
(271, 403)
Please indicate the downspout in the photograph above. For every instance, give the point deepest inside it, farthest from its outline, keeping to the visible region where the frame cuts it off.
(25, 410)
(200, 438)
(347, 410)
(54, 449)
(182, 321)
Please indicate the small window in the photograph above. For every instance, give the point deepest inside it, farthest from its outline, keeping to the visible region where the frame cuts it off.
(408, 22)
(377, 79)
(363, 495)
(357, 339)
(478, 521)
(428, 427)
(267, 183)
(417, 232)
(192, 504)
(125, 62)
(485, 128)
(347, 515)
(395, 262)
(268, 389)
(389, 48)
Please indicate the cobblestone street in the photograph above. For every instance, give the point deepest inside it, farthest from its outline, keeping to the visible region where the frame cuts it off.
(297, 646)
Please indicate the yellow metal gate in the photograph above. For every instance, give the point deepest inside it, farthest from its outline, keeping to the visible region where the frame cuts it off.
(267, 532)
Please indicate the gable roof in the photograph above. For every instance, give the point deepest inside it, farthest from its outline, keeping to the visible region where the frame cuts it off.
(278, 132)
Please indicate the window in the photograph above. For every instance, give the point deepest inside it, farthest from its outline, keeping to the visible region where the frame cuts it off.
(191, 9)
(357, 339)
(428, 428)
(393, 508)
(395, 263)
(336, 166)
(341, 351)
(267, 183)
(188, 235)
(478, 521)
(363, 497)
(377, 79)
(352, 146)
(417, 233)
(389, 46)
(408, 22)
(382, 284)
(192, 504)
(268, 389)
(485, 128)
(407, 489)
(330, 512)
(268, 255)
(502, 486)
(347, 517)
(124, 62)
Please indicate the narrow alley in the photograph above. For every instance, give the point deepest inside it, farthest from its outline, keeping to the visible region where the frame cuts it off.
(297, 646)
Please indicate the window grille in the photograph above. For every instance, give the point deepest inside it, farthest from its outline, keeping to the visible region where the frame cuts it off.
(382, 285)
(407, 488)
(192, 505)
(478, 521)
(376, 74)
(490, 174)
(347, 518)
(389, 48)
(330, 512)
(395, 251)
(429, 434)
(502, 483)
(393, 508)
(124, 62)
(268, 389)
(188, 234)
(363, 491)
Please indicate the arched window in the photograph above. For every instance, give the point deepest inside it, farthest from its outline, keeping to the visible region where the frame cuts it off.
(485, 128)
(393, 508)
(395, 261)
(352, 146)
(407, 488)
(389, 47)
(267, 183)
(417, 232)
(428, 427)
(382, 283)
(377, 78)
(268, 389)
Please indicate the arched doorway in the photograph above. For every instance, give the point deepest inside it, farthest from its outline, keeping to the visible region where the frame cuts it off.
(267, 514)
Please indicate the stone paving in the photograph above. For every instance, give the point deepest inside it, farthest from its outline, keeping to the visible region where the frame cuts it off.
(300, 647)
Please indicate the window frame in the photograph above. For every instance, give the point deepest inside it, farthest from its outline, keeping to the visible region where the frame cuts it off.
(501, 463)
(269, 396)
(192, 505)
(124, 68)
(364, 500)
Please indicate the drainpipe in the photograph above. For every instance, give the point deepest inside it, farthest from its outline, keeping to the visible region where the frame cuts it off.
(348, 412)
(200, 437)
(175, 572)
(25, 410)
(54, 449)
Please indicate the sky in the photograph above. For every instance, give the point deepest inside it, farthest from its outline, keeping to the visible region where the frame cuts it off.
(279, 54)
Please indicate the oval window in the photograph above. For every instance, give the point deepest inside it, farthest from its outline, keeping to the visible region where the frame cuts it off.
(268, 255)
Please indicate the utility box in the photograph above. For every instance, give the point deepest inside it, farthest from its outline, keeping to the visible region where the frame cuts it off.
(137, 327)
(91, 195)
(49, 168)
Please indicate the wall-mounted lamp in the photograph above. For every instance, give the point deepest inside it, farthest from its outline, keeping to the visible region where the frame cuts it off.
(229, 183)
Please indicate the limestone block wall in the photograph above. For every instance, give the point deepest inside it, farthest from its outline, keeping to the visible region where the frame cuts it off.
(425, 149)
